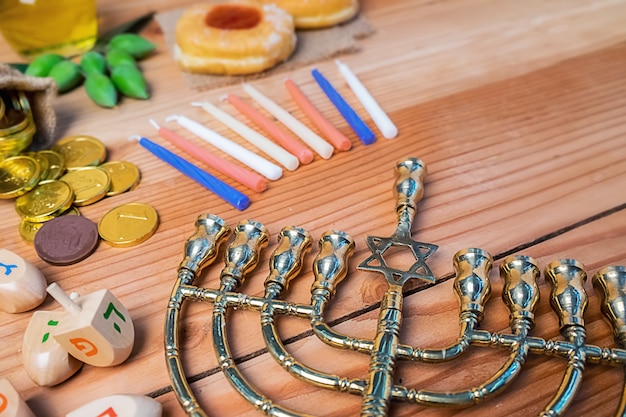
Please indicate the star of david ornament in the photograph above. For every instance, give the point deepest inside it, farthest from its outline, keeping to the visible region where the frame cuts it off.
(376, 261)
(408, 190)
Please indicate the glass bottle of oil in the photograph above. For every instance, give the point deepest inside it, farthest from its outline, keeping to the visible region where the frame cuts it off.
(34, 27)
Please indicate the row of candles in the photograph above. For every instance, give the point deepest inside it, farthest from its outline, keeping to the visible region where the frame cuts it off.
(286, 150)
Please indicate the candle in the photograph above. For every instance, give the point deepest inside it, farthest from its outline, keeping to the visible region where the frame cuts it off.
(337, 138)
(319, 145)
(270, 148)
(384, 123)
(259, 164)
(250, 179)
(220, 188)
(280, 135)
(356, 123)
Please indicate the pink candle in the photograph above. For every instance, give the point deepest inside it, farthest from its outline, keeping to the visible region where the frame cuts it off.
(280, 135)
(249, 179)
(333, 135)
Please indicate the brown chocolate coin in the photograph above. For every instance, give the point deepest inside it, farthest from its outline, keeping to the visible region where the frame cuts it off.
(66, 240)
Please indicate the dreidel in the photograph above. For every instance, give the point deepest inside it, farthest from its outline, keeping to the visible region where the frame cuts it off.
(97, 329)
(46, 362)
(123, 405)
(11, 403)
(22, 285)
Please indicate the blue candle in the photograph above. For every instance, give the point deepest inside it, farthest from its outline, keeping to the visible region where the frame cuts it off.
(218, 187)
(357, 124)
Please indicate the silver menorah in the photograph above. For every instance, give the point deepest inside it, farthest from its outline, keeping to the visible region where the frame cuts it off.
(472, 286)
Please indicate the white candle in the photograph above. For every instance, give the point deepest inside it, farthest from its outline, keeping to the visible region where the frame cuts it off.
(283, 157)
(378, 115)
(319, 145)
(259, 164)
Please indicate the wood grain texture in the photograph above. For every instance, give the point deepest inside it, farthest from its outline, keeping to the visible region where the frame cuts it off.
(517, 108)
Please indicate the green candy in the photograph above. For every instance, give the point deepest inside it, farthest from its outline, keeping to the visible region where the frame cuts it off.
(130, 82)
(118, 58)
(101, 90)
(66, 74)
(132, 44)
(41, 66)
(93, 62)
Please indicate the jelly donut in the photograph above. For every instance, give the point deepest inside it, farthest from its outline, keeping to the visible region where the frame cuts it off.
(233, 38)
(314, 14)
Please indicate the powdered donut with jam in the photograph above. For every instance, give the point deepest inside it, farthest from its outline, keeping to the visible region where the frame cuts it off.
(233, 38)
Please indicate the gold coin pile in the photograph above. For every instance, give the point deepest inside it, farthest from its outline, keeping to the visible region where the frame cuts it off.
(50, 183)
(17, 125)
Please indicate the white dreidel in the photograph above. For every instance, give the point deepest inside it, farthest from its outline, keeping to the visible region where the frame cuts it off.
(11, 403)
(22, 285)
(98, 329)
(46, 362)
(127, 405)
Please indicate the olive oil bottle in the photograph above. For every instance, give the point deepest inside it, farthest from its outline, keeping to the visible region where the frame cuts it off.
(34, 27)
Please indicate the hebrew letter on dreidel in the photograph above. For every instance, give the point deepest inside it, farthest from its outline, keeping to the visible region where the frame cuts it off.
(11, 404)
(22, 285)
(127, 405)
(46, 362)
(98, 329)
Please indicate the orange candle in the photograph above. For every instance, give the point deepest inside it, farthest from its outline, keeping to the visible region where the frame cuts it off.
(280, 135)
(333, 135)
(248, 178)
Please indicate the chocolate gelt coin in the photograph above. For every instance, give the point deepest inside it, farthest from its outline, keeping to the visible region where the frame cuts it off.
(18, 175)
(56, 164)
(81, 151)
(28, 229)
(124, 176)
(128, 225)
(66, 240)
(47, 200)
(90, 184)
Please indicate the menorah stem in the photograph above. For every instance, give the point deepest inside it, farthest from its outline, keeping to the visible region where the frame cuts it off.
(573, 375)
(383, 360)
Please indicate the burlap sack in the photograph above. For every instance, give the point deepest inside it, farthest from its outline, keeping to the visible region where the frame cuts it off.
(40, 93)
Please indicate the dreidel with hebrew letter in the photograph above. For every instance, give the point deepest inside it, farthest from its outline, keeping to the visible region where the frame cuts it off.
(46, 362)
(22, 285)
(11, 403)
(127, 405)
(97, 329)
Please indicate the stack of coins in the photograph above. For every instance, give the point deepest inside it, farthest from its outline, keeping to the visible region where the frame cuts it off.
(51, 183)
(17, 125)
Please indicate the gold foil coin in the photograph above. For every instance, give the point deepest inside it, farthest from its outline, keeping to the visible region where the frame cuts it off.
(47, 200)
(128, 225)
(56, 164)
(29, 229)
(124, 176)
(81, 151)
(44, 165)
(90, 184)
(18, 175)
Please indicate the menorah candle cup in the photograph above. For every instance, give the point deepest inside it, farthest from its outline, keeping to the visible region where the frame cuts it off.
(568, 297)
(408, 189)
(520, 292)
(242, 254)
(202, 247)
(287, 259)
(22, 285)
(46, 362)
(330, 266)
(97, 328)
(126, 405)
(11, 403)
(471, 283)
(610, 283)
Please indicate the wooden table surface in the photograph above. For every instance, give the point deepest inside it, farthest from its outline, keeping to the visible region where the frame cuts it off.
(517, 108)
